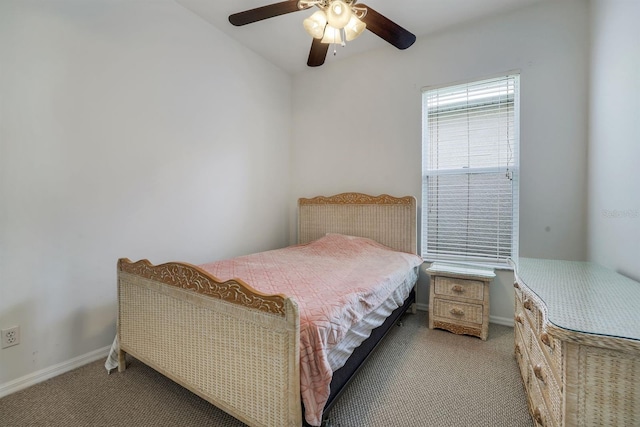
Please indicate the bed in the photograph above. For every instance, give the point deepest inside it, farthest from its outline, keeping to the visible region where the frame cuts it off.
(239, 347)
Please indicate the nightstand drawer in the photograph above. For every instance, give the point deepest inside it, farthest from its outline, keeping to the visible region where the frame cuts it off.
(463, 288)
(458, 311)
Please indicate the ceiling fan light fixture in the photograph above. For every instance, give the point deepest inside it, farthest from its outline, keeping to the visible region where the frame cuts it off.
(314, 25)
(332, 35)
(337, 22)
(338, 14)
(354, 28)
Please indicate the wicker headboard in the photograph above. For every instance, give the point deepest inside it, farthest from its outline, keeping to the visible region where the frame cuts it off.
(386, 219)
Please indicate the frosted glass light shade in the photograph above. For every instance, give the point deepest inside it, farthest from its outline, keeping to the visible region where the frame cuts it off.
(314, 25)
(331, 35)
(354, 28)
(338, 14)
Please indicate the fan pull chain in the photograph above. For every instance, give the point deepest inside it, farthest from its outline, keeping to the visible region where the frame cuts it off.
(343, 43)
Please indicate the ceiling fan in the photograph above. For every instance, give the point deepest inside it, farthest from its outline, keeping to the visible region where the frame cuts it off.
(337, 22)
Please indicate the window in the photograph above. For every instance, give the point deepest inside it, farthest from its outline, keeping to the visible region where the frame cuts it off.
(470, 143)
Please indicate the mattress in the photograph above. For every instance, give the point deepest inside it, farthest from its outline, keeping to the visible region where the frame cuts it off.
(343, 376)
(362, 330)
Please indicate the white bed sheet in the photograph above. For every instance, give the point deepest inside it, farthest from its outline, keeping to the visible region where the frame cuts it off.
(338, 355)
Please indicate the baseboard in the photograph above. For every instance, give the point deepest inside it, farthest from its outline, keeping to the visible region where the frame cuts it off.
(52, 371)
(422, 307)
(505, 321)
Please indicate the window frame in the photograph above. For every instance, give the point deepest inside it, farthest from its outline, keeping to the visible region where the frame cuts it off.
(513, 172)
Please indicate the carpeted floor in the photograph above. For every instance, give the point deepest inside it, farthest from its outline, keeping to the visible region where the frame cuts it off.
(417, 377)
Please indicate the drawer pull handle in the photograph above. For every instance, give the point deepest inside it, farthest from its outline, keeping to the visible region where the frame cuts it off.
(456, 311)
(527, 304)
(546, 340)
(537, 414)
(519, 319)
(457, 289)
(537, 370)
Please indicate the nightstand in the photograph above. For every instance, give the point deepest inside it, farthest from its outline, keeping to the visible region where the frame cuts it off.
(459, 298)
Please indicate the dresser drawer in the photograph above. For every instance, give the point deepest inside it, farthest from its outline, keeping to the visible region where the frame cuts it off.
(518, 290)
(522, 357)
(525, 327)
(537, 405)
(533, 313)
(552, 349)
(463, 288)
(545, 379)
(457, 311)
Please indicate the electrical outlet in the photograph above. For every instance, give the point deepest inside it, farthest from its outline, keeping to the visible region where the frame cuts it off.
(10, 336)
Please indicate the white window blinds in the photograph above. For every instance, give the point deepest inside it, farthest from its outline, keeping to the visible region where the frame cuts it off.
(470, 171)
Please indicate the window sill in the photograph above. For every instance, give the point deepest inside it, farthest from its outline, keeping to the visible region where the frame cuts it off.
(486, 264)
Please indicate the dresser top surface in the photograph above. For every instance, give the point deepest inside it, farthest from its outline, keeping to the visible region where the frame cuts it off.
(584, 297)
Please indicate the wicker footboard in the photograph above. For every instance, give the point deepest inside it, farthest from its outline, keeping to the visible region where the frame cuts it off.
(231, 345)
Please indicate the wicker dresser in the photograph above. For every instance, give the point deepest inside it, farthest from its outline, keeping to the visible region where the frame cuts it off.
(577, 343)
(459, 299)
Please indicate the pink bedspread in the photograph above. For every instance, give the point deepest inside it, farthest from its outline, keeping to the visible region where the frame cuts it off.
(336, 281)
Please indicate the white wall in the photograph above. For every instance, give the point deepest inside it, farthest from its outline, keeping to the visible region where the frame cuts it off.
(127, 129)
(357, 122)
(614, 136)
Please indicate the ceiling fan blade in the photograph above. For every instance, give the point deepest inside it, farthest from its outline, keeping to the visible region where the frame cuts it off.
(264, 12)
(318, 53)
(386, 29)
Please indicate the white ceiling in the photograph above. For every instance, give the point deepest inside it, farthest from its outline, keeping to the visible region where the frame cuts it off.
(283, 41)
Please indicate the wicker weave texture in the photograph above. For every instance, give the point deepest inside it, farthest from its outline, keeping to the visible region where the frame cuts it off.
(215, 349)
(520, 353)
(608, 388)
(393, 225)
(471, 289)
(547, 384)
(458, 311)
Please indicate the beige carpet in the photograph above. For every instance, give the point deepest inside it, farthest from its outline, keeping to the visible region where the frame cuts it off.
(417, 377)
